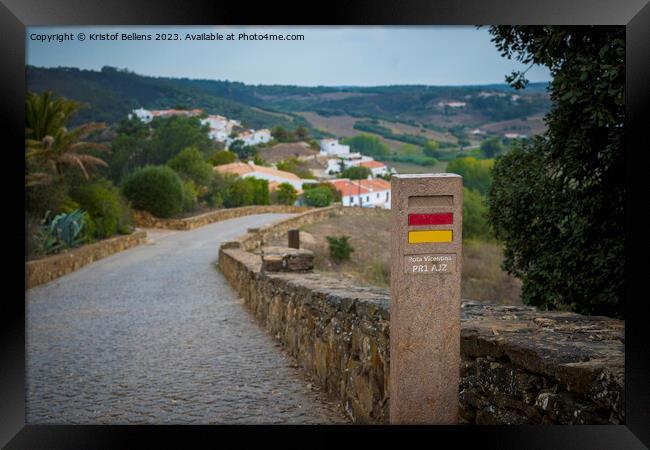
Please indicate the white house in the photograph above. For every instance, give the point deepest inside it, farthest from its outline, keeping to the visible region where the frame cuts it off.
(220, 127)
(371, 193)
(334, 165)
(262, 136)
(142, 114)
(453, 104)
(147, 116)
(376, 168)
(251, 137)
(514, 136)
(331, 147)
(273, 176)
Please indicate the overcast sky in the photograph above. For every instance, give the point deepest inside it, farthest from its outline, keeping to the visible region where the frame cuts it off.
(328, 56)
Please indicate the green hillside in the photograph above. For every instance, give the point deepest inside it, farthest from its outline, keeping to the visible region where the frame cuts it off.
(110, 94)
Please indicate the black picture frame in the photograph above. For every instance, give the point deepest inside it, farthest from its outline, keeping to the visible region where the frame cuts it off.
(15, 15)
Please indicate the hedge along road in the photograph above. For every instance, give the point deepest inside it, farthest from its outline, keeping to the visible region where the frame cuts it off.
(154, 334)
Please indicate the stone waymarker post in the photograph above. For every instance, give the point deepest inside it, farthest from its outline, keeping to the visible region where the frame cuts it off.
(426, 250)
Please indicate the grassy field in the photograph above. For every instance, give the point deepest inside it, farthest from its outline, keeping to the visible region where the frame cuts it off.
(283, 151)
(531, 126)
(343, 126)
(404, 167)
(402, 128)
(482, 277)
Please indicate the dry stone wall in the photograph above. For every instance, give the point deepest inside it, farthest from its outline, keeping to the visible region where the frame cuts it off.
(255, 237)
(47, 269)
(144, 219)
(519, 365)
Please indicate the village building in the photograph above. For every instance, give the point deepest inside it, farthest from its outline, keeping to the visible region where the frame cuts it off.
(251, 137)
(147, 116)
(332, 147)
(342, 162)
(452, 104)
(220, 127)
(371, 193)
(274, 176)
(337, 165)
(515, 136)
(376, 168)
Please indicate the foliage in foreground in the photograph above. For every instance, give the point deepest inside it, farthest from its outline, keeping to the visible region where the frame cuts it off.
(50, 148)
(557, 202)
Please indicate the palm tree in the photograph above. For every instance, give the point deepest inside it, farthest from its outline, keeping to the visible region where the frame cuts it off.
(50, 147)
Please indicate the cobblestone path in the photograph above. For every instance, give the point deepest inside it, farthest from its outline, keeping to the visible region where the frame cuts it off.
(154, 334)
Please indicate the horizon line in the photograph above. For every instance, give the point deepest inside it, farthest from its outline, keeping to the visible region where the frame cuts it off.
(127, 70)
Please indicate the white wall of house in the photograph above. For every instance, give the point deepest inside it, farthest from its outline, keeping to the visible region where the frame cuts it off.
(376, 171)
(368, 200)
(261, 136)
(333, 148)
(250, 137)
(143, 114)
(349, 160)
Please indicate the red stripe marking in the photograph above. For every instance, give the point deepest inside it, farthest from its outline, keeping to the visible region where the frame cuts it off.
(431, 219)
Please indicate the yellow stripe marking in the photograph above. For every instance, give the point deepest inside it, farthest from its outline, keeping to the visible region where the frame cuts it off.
(421, 237)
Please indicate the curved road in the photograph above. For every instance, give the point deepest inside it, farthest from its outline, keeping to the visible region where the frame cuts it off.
(154, 334)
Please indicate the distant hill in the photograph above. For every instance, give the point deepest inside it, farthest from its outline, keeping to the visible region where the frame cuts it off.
(112, 93)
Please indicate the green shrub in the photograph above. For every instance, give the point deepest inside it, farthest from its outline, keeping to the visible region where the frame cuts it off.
(336, 195)
(102, 201)
(319, 196)
(156, 189)
(237, 192)
(88, 233)
(476, 173)
(492, 147)
(260, 191)
(475, 220)
(68, 205)
(189, 164)
(340, 248)
(286, 194)
(356, 173)
(222, 157)
(367, 145)
(190, 196)
(215, 200)
(297, 167)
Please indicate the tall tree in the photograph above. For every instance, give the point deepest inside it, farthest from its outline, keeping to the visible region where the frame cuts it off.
(557, 201)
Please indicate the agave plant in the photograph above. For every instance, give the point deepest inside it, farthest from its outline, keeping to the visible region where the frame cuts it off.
(68, 227)
(61, 231)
